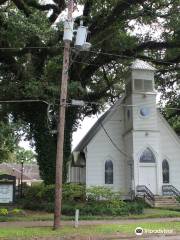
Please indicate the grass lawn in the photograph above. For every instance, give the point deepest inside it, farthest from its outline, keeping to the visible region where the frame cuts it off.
(17, 233)
(40, 216)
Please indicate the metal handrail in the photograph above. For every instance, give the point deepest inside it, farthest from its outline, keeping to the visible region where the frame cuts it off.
(170, 190)
(146, 192)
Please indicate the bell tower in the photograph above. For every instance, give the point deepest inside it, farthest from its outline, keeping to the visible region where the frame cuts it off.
(140, 102)
(141, 126)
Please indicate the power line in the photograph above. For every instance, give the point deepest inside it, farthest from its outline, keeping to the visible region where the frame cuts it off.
(126, 56)
(107, 134)
(95, 51)
(22, 48)
(23, 101)
(113, 143)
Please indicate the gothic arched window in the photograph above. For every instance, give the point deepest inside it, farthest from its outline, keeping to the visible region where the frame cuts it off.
(147, 156)
(108, 172)
(165, 171)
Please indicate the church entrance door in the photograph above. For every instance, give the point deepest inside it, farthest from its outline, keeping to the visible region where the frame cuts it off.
(148, 177)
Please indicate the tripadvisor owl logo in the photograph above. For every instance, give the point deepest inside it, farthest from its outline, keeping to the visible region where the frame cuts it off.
(139, 231)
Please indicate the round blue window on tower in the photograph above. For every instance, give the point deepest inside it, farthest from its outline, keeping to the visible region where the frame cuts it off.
(144, 111)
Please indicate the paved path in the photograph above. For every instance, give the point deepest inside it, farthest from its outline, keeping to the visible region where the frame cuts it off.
(112, 237)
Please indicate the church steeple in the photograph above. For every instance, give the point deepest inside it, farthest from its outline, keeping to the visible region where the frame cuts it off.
(140, 101)
(141, 79)
(141, 65)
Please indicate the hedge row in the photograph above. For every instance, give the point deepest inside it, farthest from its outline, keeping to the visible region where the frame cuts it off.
(93, 201)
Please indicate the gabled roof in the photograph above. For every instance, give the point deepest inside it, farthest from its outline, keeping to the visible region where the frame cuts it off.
(171, 130)
(95, 128)
(142, 65)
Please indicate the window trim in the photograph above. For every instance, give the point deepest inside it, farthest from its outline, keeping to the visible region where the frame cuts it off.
(112, 172)
(166, 161)
(147, 162)
(142, 90)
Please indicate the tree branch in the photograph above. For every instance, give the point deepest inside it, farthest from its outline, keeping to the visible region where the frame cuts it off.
(2, 1)
(157, 45)
(57, 8)
(22, 6)
(102, 60)
(115, 14)
(87, 8)
(10, 62)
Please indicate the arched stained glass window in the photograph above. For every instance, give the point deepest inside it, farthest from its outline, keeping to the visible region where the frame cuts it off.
(165, 171)
(147, 156)
(108, 172)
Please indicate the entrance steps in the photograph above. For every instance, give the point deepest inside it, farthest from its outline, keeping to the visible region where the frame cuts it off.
(166, 202)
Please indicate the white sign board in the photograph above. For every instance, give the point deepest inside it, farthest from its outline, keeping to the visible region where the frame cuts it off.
(6, 193)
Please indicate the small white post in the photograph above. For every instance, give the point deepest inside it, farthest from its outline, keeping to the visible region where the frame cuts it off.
(76, 218)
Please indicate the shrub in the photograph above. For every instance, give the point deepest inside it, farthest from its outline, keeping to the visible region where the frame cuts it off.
(33, 193)
(69, 209)
(17, 211)
(96, 208)
(45, 193)
(101, 200)
(135, 208)
(142, 202)
(3, 212)
(101, 193)
(72, 191)
(48, 207)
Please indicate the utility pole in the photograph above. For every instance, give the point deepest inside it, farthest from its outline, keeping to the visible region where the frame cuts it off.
(61, 125)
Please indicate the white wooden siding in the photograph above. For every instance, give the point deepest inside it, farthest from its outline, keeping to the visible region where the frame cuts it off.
(78, 175)
(141, 141)
(170, 148)
(101, 149)
(139, 74)
(144, 123)
(129, 163)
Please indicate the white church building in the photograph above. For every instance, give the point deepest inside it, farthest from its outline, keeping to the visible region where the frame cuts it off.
(131, 148)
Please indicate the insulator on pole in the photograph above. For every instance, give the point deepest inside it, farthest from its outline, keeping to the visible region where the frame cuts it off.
(81, 38)
(68, 30)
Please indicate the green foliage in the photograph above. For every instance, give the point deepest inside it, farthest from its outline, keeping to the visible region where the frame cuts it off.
(45, 193)
(16, 211)
(9, 139)
(101, 193)
(135, 207)
(99, 208)
(111, 208)
(21, 29)
(33, 70)
(33, 193)
(27, 156)
(101, 201)
(3, 212)
(73, 192)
